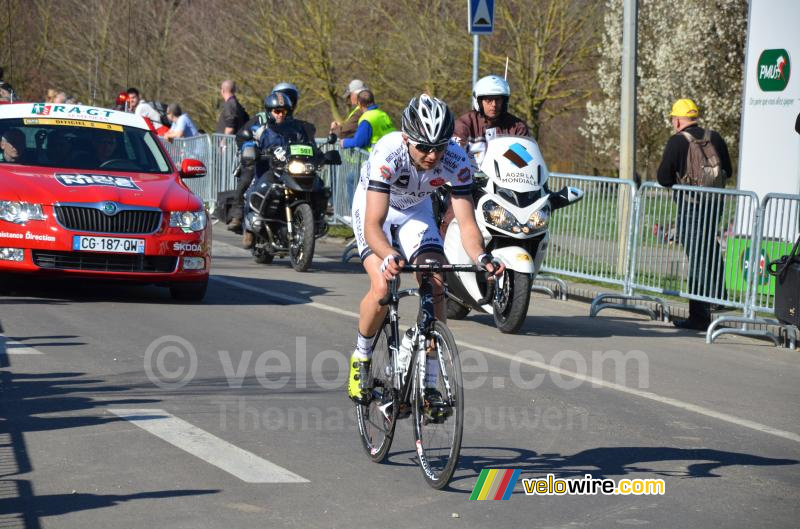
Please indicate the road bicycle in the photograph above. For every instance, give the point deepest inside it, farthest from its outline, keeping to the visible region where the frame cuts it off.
(398, 389)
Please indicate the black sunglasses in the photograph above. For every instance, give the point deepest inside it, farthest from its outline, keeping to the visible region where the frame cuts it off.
(427, 148)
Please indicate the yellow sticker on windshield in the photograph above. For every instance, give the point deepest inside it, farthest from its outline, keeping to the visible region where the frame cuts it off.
(72, 123)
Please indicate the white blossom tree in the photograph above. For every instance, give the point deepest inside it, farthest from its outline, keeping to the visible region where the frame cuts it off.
(686, 48)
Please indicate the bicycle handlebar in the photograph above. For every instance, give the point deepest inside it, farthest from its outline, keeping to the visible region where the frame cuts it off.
(439, 267)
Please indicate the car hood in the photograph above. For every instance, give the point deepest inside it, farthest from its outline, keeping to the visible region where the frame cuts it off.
(50, 186)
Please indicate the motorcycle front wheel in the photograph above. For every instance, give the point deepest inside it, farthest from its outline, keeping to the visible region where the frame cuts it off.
(512, 307)
(301, 248)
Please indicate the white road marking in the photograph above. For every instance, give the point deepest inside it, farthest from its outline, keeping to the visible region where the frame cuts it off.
(11, 347)
(240, 463)
(687, 406)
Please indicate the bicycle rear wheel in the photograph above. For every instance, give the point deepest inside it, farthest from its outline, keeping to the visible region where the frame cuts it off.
(438, 438)
(377, 420)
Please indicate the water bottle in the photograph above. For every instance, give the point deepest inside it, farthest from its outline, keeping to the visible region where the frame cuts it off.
(405, 351)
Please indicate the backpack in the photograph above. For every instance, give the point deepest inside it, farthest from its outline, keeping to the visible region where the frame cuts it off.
(161, 108)
(703, 167)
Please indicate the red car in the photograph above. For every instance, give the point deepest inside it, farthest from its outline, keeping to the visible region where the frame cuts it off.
(91, 192)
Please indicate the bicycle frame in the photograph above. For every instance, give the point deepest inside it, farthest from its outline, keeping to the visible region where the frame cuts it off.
(424, 324)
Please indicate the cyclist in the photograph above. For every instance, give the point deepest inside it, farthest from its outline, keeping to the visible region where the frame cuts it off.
(394, 190)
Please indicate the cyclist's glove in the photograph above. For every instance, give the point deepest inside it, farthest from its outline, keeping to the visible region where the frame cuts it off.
(484, 259)
(387, 260)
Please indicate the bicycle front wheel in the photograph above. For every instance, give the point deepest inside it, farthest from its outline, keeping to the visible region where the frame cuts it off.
(377, 419)
(439, 430)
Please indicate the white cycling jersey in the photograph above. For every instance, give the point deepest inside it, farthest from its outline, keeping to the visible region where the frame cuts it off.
(389, 169)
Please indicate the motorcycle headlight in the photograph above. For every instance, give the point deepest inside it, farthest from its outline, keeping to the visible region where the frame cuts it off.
(188, 220)
(539, 219)
(298, 167)
(20, 212)
(499, 217)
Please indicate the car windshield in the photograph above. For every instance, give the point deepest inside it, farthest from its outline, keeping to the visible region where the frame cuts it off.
(80, 144)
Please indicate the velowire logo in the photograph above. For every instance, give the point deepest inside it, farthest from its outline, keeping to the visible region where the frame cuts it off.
(773, 72)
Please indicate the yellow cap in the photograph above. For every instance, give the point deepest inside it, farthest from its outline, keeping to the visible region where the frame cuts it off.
(684, 108)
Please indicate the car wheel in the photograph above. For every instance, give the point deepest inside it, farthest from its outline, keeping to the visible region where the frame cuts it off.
(189, 291)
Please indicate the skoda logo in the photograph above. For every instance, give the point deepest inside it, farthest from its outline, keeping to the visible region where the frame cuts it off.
(109, 208)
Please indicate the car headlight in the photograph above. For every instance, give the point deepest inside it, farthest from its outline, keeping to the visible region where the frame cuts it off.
(298, 167)
(20, 212)
(539, 219)
(188, 220)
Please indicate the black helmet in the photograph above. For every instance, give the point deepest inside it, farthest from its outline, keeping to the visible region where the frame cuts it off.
(290, 90)
(428, 120)
(277, 100)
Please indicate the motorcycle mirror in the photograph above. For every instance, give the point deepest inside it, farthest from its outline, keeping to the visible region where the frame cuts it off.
(332, 158)
(332, 139)
(566, 196)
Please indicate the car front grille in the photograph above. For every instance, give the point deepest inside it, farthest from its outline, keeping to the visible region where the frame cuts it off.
(91, 219)
(103, 262)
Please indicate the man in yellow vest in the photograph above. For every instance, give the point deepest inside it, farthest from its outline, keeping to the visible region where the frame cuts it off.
(373, 124)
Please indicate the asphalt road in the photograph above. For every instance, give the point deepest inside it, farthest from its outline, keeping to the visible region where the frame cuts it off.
(94, 433)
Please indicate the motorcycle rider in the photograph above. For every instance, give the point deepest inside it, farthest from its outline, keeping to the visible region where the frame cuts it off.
(247, 171)
(489, 117)
(278, 130)
(489, 114)
(396, 182)
(294, 95)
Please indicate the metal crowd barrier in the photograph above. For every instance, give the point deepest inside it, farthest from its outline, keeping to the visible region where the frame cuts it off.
(589, 239)
(220, 155)
(774, 233)
(696, 244)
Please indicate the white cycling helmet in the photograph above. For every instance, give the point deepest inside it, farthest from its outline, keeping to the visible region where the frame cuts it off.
(491, 85)
(428, 120)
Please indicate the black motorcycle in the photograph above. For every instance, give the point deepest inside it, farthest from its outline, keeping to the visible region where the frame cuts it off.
(285, 208)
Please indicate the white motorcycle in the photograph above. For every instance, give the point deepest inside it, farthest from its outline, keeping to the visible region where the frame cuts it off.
(513, 209)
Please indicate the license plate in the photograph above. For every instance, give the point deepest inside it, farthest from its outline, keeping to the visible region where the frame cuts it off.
(107, 244)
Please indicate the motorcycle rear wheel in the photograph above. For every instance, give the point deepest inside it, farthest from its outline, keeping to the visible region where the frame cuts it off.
(301, 248)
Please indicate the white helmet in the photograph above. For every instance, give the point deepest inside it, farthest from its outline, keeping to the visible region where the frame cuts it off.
(491, 85)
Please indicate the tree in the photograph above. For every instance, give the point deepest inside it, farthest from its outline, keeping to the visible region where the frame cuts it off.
(550, 45)
(686, 48)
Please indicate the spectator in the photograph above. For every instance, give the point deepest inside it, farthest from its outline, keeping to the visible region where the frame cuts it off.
(72, 100)
(138, 106)
(60, 98)
(51, 95)
(373, 124)
(6, 85)
(350, 125)
(698, 216)
(12, 146)
(7, 93)
(233, 115)
(182, 125)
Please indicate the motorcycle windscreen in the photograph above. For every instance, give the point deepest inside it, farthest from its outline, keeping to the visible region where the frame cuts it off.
(515, 163)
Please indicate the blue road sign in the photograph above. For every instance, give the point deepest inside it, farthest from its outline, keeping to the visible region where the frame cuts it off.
(480, 18)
